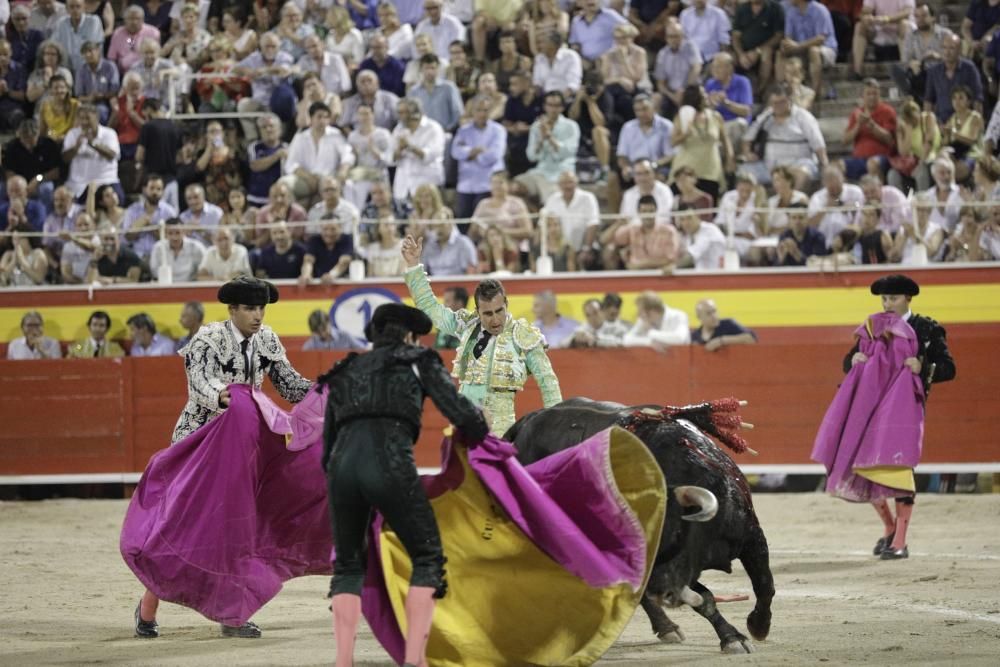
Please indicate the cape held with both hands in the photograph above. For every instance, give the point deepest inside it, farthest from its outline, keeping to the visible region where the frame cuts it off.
(872, 434)
(222, 518)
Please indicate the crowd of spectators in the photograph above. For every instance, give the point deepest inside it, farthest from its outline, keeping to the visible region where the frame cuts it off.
(201, 139)
(658, 326)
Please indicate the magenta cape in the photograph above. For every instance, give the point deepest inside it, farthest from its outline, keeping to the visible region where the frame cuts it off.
(222, 518)
(876, 419)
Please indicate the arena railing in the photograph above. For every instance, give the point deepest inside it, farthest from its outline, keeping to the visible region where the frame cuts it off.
(541, 220)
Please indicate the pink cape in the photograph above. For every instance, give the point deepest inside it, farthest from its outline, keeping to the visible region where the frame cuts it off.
(220, 520)
(877, 417)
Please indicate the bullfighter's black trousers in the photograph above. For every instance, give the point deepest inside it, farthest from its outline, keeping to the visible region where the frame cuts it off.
(372, 468)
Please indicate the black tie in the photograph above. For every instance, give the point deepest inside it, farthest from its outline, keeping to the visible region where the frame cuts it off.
(97, 350)
(244, 344)
(481, 344)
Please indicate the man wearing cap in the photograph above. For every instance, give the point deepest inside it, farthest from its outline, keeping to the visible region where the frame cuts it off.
(495, 352)
(372, 420)
(239, 350)
(933, 363)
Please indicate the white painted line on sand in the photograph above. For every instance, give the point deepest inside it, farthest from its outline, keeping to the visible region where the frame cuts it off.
(881, 601)
(868, 554)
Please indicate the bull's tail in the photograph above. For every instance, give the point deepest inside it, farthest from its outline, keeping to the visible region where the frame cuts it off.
(756, 562)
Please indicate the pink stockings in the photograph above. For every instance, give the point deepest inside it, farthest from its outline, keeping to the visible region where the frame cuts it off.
(884, 513)
(148, 605)
(903, 513)
(899, 525)
(419, 614)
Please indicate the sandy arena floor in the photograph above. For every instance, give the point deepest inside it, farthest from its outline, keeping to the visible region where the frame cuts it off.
(66, 596)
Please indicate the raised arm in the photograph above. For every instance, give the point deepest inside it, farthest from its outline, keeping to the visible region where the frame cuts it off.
(420, 288)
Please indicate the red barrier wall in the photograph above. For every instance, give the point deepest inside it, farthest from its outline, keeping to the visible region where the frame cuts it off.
(100, 416)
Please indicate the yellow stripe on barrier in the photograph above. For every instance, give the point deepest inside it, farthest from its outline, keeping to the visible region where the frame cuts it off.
(949, 304)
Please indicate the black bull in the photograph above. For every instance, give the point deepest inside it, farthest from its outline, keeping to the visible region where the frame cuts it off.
(687, 457)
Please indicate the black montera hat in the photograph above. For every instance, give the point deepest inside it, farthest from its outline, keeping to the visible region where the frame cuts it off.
(897, 283)
(247, 291)
(413, 319)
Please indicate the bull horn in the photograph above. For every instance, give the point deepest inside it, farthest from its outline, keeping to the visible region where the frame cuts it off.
(696, 496)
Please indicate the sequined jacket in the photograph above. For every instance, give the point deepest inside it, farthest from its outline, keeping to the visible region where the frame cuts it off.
(213, 361)
(519, 350)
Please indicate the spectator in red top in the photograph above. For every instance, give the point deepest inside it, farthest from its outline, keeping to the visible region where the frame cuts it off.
(871, 128)
(844, 14)
(129, 119)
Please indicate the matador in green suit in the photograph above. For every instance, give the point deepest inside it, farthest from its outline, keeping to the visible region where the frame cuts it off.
(496, 352)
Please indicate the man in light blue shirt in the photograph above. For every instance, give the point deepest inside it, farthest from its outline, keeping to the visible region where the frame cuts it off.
(141, 223)
(707, 26)
(448, 252)
(478, 147)
(809, 35)
(552, 145)
(75, 29)
(145, 341)
(267, 68)
(593, 29)
(97, 81)
(645, 137)
(440, 98)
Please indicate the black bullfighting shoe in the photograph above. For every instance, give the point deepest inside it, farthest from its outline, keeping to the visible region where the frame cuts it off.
(895, 554)
(882, 544)
(248, 630)
(145, 629)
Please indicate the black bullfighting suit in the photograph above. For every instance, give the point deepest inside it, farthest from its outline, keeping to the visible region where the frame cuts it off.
(372, 421)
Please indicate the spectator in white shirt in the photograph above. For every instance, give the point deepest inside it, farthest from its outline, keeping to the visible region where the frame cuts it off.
(707, 26)
(658, 325)
(329, 66)
(705, 242)
(442, 27)
(557, 67)
(578, 215)
(834, 194)
(320, 149)
(225, 259)
(332, 207)
(92, 152)
(182, 253)
(200, 213)
(34, 344)
(418, 150)
(646, 184)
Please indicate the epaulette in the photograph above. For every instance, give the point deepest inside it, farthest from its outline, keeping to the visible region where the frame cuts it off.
(526, 335)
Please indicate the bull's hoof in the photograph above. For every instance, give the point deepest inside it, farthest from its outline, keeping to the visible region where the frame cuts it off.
(737, 647)
(674, 636)
(759, 625)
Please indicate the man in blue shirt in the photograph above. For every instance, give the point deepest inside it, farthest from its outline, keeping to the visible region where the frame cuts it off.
(97, 81)
(808, 34)
(732, 96)
(716, 332)
(328, 254)
(479, 148)
(592, 30)
(389, 70)
(440, 98)
(448, 252)
(34, 211)
(645, 137)
(14, 76)
(952, 71)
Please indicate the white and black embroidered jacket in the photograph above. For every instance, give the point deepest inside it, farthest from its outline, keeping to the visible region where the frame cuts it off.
(213, 361)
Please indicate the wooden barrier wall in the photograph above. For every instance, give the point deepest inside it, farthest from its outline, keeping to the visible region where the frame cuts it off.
(110, 416)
